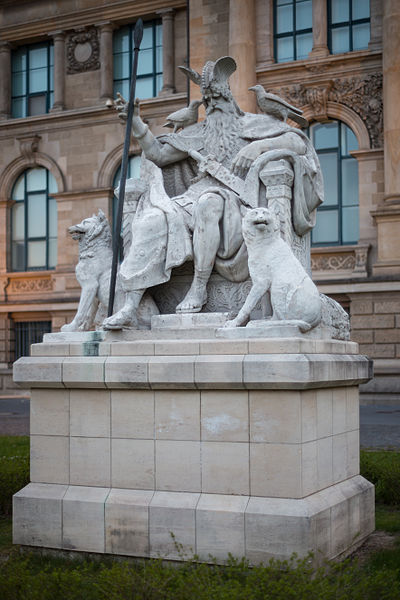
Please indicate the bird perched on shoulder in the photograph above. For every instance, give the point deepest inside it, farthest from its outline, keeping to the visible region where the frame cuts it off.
(184, 117)
(271, 104)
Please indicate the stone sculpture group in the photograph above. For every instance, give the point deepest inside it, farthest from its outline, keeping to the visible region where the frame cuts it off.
(196, 190)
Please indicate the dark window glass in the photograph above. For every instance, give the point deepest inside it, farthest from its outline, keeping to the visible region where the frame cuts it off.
(149, 74)
(34, 221)
(293, 29)
(348, 25)
(28, 333)
(32, 80)
(337, 218)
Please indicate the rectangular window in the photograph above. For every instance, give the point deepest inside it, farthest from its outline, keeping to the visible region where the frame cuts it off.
(293, 29)
(149, 74)
(32, 80)
(27, 333)
(348, 25)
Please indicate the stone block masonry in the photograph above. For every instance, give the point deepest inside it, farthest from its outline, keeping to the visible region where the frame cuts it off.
(249, 447)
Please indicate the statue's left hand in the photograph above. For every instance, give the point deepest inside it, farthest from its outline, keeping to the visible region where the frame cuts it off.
(245, 157)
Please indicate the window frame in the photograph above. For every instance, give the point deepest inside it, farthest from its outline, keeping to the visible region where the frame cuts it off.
(350, 23)
(49, 45)
(46, 238)
(154, 74)
(293, 34)
(339, 206)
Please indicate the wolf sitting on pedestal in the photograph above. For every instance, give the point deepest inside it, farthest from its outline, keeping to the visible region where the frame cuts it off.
(93, 273)
(273, 267)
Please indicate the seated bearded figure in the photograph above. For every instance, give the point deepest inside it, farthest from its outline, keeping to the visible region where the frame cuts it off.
(189, 211)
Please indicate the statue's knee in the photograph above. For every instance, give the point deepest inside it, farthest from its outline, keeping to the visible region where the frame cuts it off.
(209, 206)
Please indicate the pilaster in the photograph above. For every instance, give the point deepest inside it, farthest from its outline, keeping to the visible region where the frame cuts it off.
(168, 16)
(320, 29)
(106, 60)
(242, 47)
(5, 87)
(59, 70)
(387, 215)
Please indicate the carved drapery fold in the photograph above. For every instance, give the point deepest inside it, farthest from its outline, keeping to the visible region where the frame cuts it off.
(363, 95)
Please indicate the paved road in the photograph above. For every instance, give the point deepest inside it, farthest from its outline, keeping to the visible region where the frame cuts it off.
(379, 425)
(14, 416)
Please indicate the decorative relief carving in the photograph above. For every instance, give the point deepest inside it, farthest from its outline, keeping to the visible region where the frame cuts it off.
(29, 145)
(361, 94)
(333, 263)
(29, 285)
(83, 51)
(352, 260)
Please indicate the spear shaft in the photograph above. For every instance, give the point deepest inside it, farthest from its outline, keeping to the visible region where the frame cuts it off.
(137, 38)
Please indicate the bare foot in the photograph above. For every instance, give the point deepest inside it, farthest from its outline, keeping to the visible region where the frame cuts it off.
(120, 320)
(194, 300)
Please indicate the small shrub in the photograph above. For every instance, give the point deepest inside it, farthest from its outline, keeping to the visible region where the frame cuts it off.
(383, 470)
(32, 578)
(14, 469)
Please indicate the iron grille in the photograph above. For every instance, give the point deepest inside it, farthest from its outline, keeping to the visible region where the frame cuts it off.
(27, 333)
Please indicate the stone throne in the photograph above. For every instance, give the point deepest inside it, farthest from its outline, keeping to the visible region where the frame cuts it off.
(244, 444)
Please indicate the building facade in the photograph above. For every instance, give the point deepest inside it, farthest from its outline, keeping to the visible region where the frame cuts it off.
(62, 63)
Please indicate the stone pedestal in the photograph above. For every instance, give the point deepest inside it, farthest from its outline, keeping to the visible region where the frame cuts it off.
(247, 446)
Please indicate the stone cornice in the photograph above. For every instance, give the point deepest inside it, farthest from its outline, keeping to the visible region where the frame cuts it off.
(89, 116)
(334, 65)
(124, 11)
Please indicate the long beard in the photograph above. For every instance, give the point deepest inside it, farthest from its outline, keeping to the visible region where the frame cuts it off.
(221, 134)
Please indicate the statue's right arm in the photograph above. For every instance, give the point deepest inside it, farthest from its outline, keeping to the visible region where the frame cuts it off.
(160, 154)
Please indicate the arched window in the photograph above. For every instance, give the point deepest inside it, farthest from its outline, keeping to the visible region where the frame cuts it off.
(337, 217)
(34, 221)
(133, 171)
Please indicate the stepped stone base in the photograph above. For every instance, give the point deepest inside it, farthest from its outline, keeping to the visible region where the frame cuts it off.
(141, 522)
(248, 446)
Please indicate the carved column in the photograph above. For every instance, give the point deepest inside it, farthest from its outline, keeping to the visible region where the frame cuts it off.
(5, 87)
(106, 60)
(242, 47)
(168, 16)
(59, 70)
(387, 215)
(320, 29)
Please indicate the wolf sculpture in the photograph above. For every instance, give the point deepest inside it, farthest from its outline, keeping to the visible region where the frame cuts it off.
(93, 273)
(274, 268)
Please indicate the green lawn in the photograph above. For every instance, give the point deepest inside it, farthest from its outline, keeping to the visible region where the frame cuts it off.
(36, 577)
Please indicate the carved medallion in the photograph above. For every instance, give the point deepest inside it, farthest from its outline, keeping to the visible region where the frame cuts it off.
(83, 51)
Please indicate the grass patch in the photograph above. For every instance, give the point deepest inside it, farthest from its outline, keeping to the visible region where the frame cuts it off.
(35, 578)
(5, 534)
(14, 469)
(382, 468)
(387, 518)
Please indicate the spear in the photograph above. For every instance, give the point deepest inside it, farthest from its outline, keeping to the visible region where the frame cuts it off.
(137, 38)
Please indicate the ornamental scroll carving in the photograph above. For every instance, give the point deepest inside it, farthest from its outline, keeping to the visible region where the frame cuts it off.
(83, 51)
(333, 263)
(361, 94)
(18, 286)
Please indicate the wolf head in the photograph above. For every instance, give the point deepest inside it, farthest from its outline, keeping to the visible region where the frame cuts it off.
(259, 223)
(90, 228)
